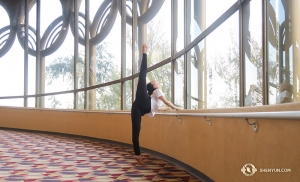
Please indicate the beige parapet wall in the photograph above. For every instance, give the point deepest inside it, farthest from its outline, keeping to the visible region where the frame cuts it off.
(219, 150)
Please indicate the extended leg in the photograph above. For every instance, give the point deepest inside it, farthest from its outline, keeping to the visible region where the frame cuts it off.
(141, 90)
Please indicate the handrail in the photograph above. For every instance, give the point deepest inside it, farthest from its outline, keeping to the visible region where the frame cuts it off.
(289, 115)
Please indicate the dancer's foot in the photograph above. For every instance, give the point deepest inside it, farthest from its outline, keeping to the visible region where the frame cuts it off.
(139, 160)
(145, 48)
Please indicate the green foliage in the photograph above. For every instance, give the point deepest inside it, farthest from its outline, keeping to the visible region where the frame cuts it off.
(61, 67)
(228, 70)
(108, 98)
(106, 70)
(159, 49)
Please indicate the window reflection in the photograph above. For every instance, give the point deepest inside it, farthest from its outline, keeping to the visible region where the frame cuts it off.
(213, 69)
(202, 13)
(179, 82)
(283, 51)
(252, 36)
(178, 24)
(196, 82)
(159, 35)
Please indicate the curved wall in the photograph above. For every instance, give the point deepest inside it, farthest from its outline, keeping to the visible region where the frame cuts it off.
(219, 151)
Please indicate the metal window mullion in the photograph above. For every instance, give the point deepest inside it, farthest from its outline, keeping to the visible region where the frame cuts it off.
(75, 51)
(186, 6)
(174, 33)
(123, 55)
(38, 57)
(87, 60)
(242, 59)
(265, 54)
(174, 23)
(134, 32)
(26, 55)
(185, 81)
(187, 61)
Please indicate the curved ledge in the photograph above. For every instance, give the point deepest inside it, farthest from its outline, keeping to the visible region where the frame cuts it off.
(266, 112)
(219, 150)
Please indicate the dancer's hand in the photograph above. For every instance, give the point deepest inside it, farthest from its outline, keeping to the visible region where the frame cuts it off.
(145, 48)
(168, 109)
(178, 108)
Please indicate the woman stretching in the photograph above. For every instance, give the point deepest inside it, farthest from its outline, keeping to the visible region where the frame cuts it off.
(148, 100)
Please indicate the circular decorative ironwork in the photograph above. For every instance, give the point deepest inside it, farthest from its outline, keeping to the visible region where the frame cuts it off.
(57, 31)
(31, 39)
(102, 23)
(145, 17)
(7, 38)
(61, 22)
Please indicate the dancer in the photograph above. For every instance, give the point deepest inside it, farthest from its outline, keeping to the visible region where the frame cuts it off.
(148, 100)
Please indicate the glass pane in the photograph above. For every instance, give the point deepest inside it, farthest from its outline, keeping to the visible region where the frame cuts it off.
(31, 57)
(80, 100)
(105, 51)
(222, 65)
(252, 37)
(179, 82)
(31, 102)
(12, 102)
(215, 8)
(109, 97)
(283, 51)
(129, 39)
(80, 65)
(159, 35)
(135, 82)
(11, 62)
(59, 65)
(62, 101)
(31, 74)
(4, 18)
(202, 13)
(128, 95)
(196, 81)
(179, 25)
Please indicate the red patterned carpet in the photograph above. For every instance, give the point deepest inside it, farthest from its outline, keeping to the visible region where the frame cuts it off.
(35, 157)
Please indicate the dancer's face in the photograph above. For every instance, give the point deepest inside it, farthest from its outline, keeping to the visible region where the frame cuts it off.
(156, 84)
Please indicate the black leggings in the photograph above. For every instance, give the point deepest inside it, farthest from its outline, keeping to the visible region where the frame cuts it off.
(140, 106)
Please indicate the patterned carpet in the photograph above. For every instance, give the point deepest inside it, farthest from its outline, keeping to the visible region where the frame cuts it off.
(33, 157)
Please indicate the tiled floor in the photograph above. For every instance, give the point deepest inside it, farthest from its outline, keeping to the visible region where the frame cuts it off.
(32, 157)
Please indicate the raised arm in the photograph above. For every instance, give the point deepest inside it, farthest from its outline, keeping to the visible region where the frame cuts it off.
(168, 103)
